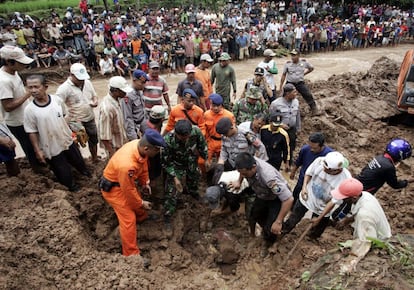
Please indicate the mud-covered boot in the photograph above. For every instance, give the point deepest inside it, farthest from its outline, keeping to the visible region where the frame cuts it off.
(314, 110)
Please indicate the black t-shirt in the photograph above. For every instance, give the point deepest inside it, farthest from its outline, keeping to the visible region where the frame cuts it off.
(378, 171)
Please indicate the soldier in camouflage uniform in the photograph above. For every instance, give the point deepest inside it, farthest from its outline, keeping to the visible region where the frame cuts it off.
(254, 103)
(184, 146)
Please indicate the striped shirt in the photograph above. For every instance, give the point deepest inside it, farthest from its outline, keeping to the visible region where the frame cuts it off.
(154, 91)
(110, 124)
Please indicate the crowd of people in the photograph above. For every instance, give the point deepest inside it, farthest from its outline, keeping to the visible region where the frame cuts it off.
(120, 42)
(238, 146)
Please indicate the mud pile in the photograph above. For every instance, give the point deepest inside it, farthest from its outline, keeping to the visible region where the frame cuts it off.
(54, 239)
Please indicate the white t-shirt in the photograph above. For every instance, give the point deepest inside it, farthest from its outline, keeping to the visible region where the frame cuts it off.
(49, 122)
(77, 101)
(229, 176)
(11, 86)
(320, 186)
(106, 66)
(268, 75)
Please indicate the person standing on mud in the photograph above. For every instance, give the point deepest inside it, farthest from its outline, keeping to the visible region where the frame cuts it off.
(269, 70)
(273, 198)
(224, 77)
(118, 187)
(246, 108)
(187, 109)
(308, 153)
(382, 168)
(14, 98)
(79, 96)
(179, 159)
(321, 177)
(294, 73)
(110, 124)
(288, 106)
(51, 137)
(212, 117)
(133, 107)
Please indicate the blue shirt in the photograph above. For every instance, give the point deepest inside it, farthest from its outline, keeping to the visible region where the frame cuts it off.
(306, 157)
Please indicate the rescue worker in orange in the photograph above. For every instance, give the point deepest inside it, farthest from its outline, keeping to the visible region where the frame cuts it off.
(186, 110)
(118, 188)
(211, 118)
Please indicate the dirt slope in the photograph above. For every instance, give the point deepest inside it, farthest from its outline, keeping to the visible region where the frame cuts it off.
(54, 239)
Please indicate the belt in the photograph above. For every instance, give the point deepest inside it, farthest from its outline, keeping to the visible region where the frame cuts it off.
(216, 138)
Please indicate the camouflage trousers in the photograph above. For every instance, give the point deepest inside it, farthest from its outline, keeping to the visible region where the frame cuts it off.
(189, 180)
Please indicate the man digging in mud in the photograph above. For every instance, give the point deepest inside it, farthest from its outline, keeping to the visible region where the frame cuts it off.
(118, 188)
(273, 196)
(183, 148)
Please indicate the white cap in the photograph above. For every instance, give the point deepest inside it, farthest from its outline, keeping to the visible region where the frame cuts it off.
(79, 71)
(334, 160)
(207, 57)
(15, 53)
(119, 82)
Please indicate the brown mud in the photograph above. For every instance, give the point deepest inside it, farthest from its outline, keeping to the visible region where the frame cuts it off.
(54, 239)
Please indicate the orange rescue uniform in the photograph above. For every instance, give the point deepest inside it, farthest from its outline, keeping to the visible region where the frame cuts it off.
(126, 166)
(212, 137)
(177, 113)
(204, 77)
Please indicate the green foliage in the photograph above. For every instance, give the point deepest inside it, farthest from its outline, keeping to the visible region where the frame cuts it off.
(29, 6)
(401, 253)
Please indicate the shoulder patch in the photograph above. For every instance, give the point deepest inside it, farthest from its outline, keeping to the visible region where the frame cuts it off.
(274, 187)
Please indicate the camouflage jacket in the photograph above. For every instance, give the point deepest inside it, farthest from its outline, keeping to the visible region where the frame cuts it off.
(180, 156)
(244, 111)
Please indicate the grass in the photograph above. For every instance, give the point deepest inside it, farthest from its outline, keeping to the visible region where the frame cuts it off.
(28, 7)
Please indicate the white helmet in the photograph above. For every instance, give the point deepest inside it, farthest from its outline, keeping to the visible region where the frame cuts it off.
(334, 160)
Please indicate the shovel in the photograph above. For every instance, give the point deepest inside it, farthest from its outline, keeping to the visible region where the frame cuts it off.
(296, 244)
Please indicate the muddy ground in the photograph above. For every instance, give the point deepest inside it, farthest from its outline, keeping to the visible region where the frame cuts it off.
(54, 239)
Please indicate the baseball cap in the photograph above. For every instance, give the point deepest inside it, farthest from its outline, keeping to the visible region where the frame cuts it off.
(288, 88)
(294, 52)
(140, 75)
(15, 53)
(119, 82)
(223, 126)
(276, 119)
(189, 68)
(154, 138)
(349, 187)
(216, 99)
(334, 160)
(79, 71)
(189, 91)
(224, 56)
(212, 196)
(268, 52)
(154, 64)
(157, 112)
(206, 57)
(259, 71)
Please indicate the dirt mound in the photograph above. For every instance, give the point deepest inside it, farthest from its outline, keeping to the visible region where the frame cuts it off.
(54, 239)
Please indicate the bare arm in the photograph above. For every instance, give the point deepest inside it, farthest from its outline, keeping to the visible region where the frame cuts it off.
(13, 103)
(34, 139)
(108, 146)
(277, 224)
(282, 80)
